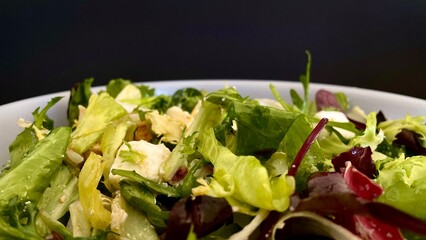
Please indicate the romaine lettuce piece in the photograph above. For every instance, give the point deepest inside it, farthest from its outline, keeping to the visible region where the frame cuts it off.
(55, 201)
(209, 115)
(252, 129)
(31, 177)
(115, 133)
(22, 186)
(130, 223)
(78, 223)
(33, 132)
(101, 110)
(90, 197)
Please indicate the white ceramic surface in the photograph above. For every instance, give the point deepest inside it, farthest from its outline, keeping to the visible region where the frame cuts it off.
(393, 105)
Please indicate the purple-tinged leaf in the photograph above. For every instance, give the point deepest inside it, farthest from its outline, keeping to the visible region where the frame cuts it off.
(325, 183)
(338, 207)
(326, 99)
(380, 117)
(349, 201)
(358, 125)
(410, 140)
(359, 157)
(204, 213)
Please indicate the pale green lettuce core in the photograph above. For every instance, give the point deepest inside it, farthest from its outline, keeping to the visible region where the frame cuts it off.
(404, 183)
(369, 138)
(243, 178)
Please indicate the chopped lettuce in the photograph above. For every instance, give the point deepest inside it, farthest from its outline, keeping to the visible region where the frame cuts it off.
(22, 186)
(209, 115)
(26, 140)
(55, 201)
(30, 178)
(90, 197)
(129, 223)
(101, 110)
(243, 178)
(115, 133)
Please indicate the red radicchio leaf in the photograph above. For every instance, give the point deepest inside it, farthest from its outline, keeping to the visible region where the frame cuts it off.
(324, 99)
(360, 184)
(330, 195)
(359, 157)
(370, 228)
(344, 200)
(392, 216)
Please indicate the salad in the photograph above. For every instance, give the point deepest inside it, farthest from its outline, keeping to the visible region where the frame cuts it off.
(134, 164)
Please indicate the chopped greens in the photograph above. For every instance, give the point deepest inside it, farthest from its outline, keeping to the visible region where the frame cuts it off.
(135, 164)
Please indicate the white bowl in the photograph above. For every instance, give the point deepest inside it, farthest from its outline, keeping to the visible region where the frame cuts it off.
(392, 105)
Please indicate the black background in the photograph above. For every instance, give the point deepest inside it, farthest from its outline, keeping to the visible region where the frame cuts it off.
(47, 46)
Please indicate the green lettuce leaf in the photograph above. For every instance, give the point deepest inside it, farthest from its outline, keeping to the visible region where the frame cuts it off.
(404, 184)
(243, 178)
(259, 129)
(314, 160)
(101, 110)
(22, 186)
(392, 127)
(30, 178)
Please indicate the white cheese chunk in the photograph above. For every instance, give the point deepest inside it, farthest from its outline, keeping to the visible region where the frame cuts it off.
(335, 116)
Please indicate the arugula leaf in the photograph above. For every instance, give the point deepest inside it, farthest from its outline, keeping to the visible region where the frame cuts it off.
(21, 146)
(138, 196)
(159, 188)
(41, 119)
